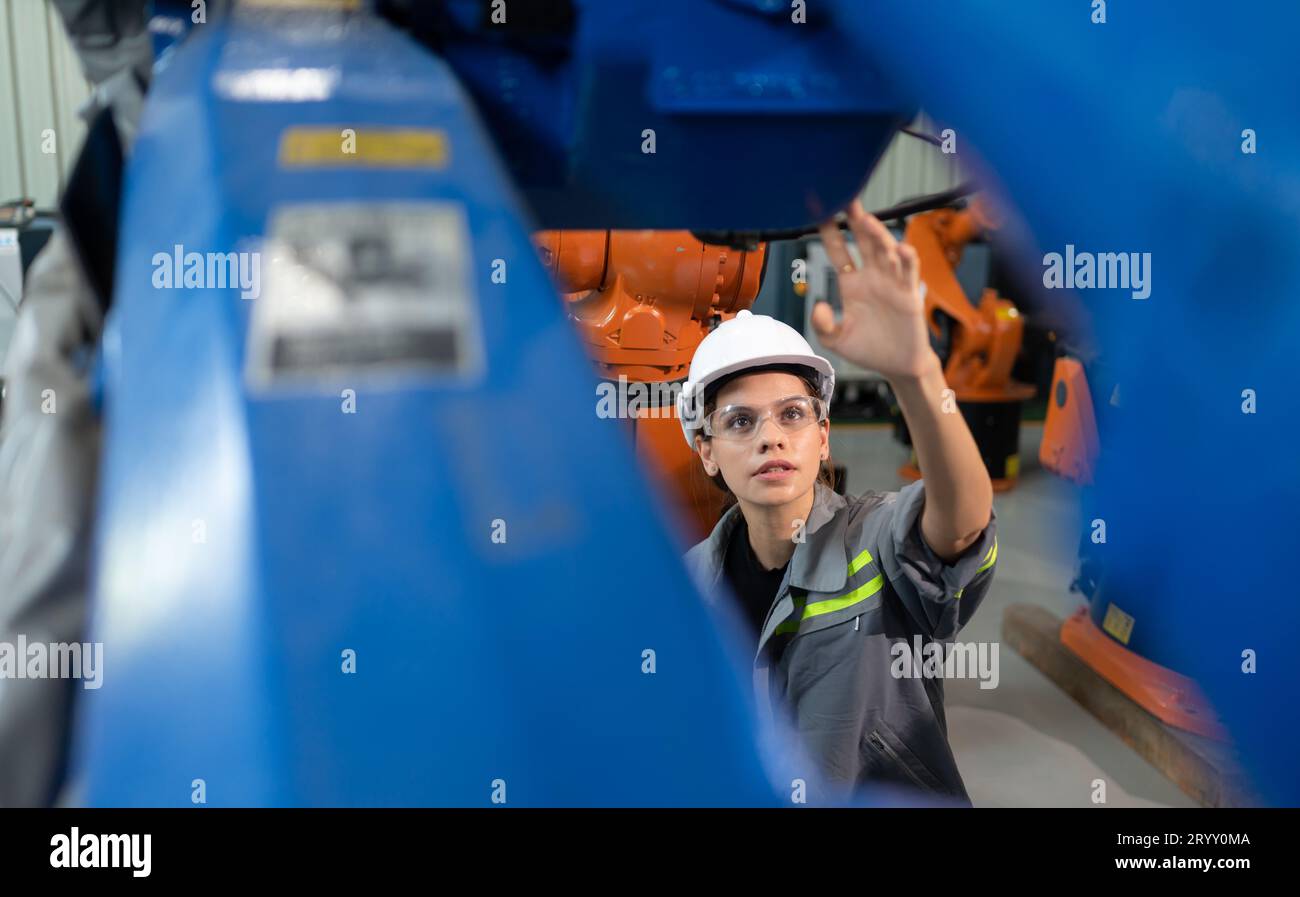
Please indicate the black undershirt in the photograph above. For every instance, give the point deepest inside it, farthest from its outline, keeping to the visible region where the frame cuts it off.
(754, 586)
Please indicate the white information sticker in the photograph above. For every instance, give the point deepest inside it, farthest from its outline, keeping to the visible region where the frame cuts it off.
(354, 291)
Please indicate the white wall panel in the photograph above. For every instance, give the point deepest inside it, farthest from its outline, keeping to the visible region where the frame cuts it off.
(910, 168)
(11, 176)
(41, 89)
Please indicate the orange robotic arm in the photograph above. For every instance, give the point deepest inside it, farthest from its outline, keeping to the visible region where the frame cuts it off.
(986, 338)
(642, 301)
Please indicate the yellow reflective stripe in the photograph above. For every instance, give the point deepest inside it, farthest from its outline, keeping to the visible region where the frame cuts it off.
(860, 561)
(991, 557)
(830, 605)
(957, 594)
(791, 624)
(861, 593)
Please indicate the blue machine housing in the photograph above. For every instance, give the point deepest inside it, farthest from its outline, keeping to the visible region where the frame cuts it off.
(760, 120)
(1126, 129)
(249, 538)
(522, 662)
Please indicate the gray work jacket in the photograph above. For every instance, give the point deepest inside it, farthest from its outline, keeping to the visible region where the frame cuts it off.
(862, 582)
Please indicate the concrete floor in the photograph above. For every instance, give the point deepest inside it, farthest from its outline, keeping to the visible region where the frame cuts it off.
(1024, 743)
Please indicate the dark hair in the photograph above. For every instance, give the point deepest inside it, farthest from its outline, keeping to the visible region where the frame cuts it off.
(811, 380)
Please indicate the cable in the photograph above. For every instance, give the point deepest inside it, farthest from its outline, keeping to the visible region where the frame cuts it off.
(927, 203)
(741, 239)
(921, 135)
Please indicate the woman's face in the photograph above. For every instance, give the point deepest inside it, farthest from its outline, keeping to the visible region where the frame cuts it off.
(773, 467)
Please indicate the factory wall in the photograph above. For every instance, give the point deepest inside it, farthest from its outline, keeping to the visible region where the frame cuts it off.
(42, 87)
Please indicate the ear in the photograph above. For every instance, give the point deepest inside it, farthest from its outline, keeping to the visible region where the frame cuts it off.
(826, 439)
(705, 448)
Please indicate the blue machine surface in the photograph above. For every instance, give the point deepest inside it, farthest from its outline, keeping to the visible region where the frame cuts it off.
(252, 531)
(1127, 136)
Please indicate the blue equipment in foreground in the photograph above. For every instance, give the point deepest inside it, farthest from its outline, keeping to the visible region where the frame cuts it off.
(363, 538)
(1145, 128)
(254, 530)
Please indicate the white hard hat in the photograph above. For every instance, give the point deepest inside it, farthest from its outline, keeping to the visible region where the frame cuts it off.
(745, 341)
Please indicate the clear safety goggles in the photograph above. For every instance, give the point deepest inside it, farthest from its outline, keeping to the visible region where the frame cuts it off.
(741, 422)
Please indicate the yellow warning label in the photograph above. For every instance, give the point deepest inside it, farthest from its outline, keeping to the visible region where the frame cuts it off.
(343, 147)
(1012, 467)
(1118, 623)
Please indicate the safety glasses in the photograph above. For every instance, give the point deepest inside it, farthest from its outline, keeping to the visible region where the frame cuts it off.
(738, 423)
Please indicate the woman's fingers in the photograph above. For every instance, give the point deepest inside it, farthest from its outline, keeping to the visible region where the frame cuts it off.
(823, 321)
(836, 250)
(873, 242)
(880, 244)
(910, 262)
(876, 246)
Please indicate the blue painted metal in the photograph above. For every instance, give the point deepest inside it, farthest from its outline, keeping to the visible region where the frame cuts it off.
(169, 23)
(248, 539)
(1127, 137)
(736, 96)
(326, 531)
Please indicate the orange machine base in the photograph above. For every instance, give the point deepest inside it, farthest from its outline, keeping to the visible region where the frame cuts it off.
(1166, 695)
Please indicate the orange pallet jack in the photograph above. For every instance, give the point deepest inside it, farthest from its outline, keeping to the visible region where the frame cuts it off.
(985, 340)
(642, 301)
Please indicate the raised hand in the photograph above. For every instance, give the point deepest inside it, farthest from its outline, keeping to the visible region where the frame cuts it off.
(882, 326)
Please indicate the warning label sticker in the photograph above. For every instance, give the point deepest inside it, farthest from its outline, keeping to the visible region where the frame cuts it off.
(1118, 623)
(303, 147)
(357, 290)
